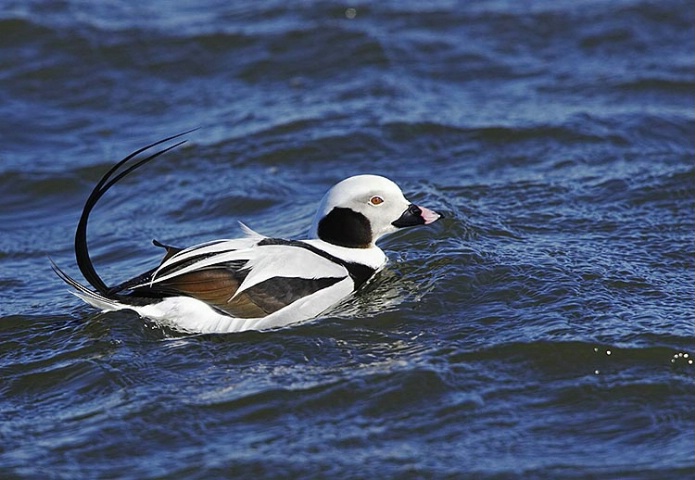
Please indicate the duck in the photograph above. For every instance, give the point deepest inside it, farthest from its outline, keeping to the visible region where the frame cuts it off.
(254, 282)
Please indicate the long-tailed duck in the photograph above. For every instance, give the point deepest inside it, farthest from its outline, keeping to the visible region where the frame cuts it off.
(255, 282)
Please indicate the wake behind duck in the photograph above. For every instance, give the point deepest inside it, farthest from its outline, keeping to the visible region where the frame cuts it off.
(255, 282)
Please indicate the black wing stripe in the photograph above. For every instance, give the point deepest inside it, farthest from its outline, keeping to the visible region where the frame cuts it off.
(181, 264)
(275, 293)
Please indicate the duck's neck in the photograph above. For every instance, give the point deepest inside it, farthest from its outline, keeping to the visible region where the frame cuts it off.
(372, 256)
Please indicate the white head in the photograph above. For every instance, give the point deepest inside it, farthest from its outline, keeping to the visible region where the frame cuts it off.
(360, 210)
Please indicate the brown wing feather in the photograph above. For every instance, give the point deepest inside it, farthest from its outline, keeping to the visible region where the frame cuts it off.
(214, 286)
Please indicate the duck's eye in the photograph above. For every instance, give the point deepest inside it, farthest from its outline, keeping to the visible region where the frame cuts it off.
(376, 200)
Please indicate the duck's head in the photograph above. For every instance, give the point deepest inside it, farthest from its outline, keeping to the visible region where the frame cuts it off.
(360, 210)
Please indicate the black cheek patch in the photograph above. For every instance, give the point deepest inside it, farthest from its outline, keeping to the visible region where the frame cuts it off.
(346, 228)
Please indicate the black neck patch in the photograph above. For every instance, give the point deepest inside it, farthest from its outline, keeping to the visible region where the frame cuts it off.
(346, 228)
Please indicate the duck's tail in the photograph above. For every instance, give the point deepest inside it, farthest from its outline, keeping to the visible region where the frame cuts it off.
(88, 296)
(104, 297)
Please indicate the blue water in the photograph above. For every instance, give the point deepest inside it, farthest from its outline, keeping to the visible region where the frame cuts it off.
(543, 329)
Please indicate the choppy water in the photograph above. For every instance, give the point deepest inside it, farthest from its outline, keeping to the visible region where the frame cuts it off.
(545, 329)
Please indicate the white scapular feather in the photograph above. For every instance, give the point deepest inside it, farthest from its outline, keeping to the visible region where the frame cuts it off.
(250, 233)
(273, 261)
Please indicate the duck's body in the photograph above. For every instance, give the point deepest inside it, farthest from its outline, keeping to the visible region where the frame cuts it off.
(256, 282)
(251, 283)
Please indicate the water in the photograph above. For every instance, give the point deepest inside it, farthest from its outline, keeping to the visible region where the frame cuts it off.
(544, 329)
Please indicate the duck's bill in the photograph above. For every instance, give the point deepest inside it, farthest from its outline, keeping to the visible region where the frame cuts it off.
(416, 215)
(429, 216)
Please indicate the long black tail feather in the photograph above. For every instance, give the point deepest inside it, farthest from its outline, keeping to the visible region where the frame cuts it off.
(84, 261)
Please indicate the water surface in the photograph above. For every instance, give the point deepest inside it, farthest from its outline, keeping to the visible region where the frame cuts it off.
(544, 329)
